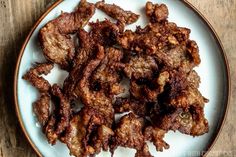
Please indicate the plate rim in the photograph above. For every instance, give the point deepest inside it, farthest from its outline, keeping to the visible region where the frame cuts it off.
(187, 4)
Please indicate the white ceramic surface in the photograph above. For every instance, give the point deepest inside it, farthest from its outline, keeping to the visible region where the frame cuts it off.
(212, 71)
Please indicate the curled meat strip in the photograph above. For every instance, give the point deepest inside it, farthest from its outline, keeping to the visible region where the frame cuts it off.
(128, 132)
(59, 120)
(95, 99)
(107, 74)
(41, 108)
(87, 133)
(156, 12)
(57, 45)
(117, 12)
(37, 81)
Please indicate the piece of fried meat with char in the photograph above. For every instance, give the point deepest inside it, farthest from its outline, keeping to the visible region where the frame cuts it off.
(117, 12)
(55, 39)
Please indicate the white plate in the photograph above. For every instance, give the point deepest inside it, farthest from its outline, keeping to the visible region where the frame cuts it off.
(212, 70)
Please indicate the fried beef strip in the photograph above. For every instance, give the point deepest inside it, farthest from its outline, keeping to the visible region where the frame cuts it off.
(87, 134)
(95, 99)
(149, 90)
(181, 90)
(128, 132)
(156, 12)
(117, 12)
(107, 74)
(139, 108)
(56, 43)
(64, 109)
(104, 33)
(37, 81)
(49, 130)
(188, 121)
(167, 43)
(140, 67)
(41, 108)
(85, 52)
(144, 152)
(59, 119)
(156, 136)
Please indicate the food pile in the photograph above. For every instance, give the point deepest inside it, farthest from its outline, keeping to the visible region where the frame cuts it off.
(157, 61)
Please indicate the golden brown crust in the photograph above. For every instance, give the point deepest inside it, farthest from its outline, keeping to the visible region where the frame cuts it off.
(117, 12)
(33, 76)
(56, 43)
(41, 108)
(128, 132)
(87, 133)
(156, 136)
(156, 12)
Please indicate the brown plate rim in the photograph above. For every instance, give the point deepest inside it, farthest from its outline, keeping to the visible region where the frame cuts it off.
(186, 3)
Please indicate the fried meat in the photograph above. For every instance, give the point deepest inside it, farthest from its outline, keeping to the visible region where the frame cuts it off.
(41, 108)
(145, 76)
(117, 12)
(57, 44)
(128, 132)
(33, 76)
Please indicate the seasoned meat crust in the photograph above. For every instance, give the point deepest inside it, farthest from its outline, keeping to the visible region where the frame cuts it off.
(41, 108)
(33, 76)
(54, 37)
(129, 132)
(87, 133)
(156, 136)
(140, 67)
(124, 88)
(156, 12)
(117, 12)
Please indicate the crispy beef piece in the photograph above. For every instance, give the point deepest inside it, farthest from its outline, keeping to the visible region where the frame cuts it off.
(144, 152)
(33, 76)
(188, 121)
(49, 130)
(193, 79)
(60, 117)
(187, 97)
(128, 132)
(56, 43)
(117, 12)
(156, 12)
(87, 134)
(42, 108)
(107, 74)
(57, 47)
(139, 108)
(181, 90)
(64, 109)
(167, 43)
(140, 67)
(157, 86)
(150, 89)
(101, 140)
(152, 38)
(85, 52)
(95, 99)
(104, 32)
(136, 90)
(156, 136)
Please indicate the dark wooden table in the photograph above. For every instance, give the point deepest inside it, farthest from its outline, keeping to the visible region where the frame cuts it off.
(18, 16)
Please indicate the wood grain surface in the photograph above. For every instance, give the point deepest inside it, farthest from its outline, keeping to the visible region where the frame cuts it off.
(18, 16)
